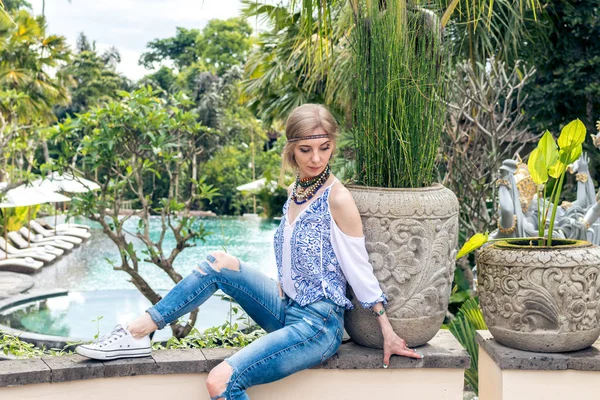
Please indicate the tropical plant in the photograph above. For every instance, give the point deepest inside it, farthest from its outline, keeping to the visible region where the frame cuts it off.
(494, 31)
(479, 13)
(219, 46)
(164, 78)
(28, 92)
(468, 320)
(27, 55)
(551, 161)
(224, 43)
(547, 160)
(14, 218)
(12, 345)
(180, 49)
(568, 79)
(287, 69)
(399, 95)
(138, 146)
(5, 19)
(93, 77)
(228, 334)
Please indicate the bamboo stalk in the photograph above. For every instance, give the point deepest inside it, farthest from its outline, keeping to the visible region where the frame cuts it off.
(399, 85)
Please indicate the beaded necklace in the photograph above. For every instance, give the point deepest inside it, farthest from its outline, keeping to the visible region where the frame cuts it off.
(304, 189)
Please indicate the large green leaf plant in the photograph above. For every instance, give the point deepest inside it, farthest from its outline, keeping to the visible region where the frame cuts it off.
(548, 160)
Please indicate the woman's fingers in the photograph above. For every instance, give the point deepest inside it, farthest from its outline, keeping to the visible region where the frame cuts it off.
(409, 353)
(386, 359)
(404, 352)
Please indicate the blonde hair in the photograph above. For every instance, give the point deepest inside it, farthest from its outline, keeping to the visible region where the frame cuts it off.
(302, 121)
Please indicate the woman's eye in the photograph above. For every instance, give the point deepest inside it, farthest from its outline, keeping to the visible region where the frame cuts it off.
(304, 151)
(325, 149)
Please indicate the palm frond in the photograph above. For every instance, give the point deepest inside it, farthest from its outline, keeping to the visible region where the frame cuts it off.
(5, 19)
(468, 320)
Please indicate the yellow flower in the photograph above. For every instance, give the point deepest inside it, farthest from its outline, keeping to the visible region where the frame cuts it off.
(598, 125)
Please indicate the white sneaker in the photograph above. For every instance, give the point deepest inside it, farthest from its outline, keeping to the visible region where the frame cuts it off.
(117, 344)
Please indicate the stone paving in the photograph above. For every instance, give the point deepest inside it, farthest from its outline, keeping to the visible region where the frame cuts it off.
(12, 283)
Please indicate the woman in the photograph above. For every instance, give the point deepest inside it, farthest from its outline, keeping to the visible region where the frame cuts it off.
(319, 247)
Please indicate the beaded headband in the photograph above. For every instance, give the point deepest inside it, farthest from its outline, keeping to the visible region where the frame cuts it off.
(324, 135)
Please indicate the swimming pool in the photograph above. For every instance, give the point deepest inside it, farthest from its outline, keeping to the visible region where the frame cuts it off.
(97, 290)
(88, 267)
(84, 315)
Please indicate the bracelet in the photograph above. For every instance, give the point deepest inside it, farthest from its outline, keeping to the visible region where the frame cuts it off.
(503, 182)
(378, 313)
(583, 177)
(508, 231)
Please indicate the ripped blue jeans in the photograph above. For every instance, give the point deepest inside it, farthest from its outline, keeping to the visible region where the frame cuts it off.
(298, 337)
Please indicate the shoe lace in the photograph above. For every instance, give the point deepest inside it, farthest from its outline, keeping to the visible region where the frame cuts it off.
(107, 338)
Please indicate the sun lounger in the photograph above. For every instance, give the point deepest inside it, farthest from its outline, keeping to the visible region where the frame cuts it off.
(37, 254)
(67, 226)
(25, 265)
(80, 233)
(46, 248)
(21, 243)
(36, 238)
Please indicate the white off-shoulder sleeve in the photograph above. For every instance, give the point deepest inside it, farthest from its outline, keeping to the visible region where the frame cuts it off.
(354, 261)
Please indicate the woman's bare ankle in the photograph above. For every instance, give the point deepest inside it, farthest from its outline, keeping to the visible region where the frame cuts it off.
(142, 326)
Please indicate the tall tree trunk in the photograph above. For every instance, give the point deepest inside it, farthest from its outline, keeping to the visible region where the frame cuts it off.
(46, 152)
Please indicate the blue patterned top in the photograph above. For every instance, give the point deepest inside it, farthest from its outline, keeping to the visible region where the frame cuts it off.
(315, 270)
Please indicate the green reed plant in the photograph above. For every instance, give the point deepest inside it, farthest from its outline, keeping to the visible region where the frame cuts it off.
(399, 87)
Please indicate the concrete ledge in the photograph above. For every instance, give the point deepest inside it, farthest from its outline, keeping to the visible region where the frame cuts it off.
(513, 359)
(509, 374)
(442, 352)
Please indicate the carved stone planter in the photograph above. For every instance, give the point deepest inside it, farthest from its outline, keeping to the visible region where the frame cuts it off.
(411, 237)
(541, 299)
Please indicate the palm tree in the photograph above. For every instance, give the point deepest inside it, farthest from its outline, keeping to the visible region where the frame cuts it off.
(5, 19)
(287, 69)
(27, 54)
(29, 92)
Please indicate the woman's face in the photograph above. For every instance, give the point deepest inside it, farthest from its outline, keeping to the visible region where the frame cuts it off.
(312, 155)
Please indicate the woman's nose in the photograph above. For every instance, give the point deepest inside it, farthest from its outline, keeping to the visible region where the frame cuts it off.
(315, 157)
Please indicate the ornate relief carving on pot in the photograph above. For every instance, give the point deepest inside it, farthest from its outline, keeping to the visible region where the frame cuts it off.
(411, 238)
(540, 299)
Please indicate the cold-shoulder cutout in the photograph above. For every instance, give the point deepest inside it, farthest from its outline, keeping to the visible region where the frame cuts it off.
(344, 211)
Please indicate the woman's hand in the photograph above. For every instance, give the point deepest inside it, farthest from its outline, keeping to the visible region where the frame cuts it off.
(394, 344)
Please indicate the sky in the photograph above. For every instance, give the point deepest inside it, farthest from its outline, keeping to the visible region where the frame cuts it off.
(130, 24)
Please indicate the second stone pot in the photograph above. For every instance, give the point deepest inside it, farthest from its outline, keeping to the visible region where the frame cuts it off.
(542, 299)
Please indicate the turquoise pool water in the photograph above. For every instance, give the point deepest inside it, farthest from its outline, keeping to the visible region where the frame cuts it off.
(97, 290)
(83, 315)
(87, 267)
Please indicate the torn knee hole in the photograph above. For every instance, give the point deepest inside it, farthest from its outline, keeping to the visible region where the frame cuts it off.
(203, 268)
(199, 269)
(219, 260)
(219, 379)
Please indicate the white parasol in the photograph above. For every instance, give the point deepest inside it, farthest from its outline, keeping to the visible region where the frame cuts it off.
(24, 196)
(66, 183)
